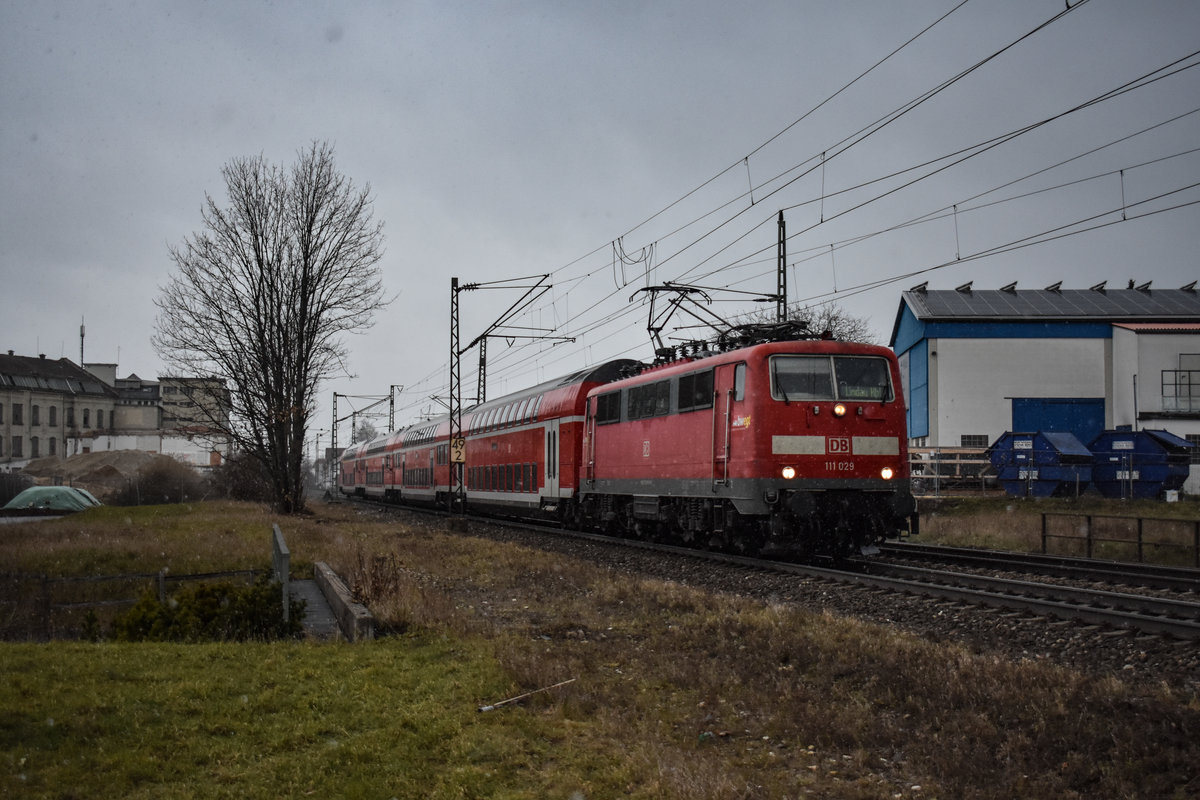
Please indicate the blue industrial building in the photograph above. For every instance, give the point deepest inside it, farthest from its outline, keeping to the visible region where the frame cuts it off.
(978, 363)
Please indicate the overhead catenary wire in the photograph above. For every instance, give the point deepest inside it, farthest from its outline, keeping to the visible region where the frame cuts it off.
(594, 320)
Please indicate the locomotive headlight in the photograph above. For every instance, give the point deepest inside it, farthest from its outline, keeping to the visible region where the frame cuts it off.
(839, 410)
(789, 473)
(886, 473)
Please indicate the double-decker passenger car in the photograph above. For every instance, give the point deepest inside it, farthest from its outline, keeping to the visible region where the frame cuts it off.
(522, 451)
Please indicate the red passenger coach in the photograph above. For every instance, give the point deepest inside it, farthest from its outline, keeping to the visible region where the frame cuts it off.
(522, 453)
(796, 446)
(523, 449)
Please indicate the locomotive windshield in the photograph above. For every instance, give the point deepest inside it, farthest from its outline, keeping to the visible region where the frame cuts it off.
(830, 378)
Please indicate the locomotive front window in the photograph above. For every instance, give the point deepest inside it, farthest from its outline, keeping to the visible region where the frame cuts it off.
(830, 378)
(861, 378)
(802, 378)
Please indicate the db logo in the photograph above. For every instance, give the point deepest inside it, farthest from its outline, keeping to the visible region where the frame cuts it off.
(839, 444)
(646, 449)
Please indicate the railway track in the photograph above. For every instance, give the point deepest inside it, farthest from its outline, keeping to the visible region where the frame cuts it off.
(1177, 579)
(1119, 611)
(1158, 615)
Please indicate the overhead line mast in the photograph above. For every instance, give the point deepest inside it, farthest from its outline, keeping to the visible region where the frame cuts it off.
(781, 273)
(458, 489)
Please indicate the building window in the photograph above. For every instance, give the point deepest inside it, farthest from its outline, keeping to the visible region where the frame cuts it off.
(1, 412)
(18, 414)
(99, 418)
(35, 414)
(71, 417)
(16, 447)
(1194, 438)
(53, 417)
(86, 416)
(53, 446)
(974, 440)
(34, 447)
(1181, 390)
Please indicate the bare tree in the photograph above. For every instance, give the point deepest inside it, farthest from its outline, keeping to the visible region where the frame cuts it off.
(365, 432)
(835, 319)
(831, 317)
(262, 296)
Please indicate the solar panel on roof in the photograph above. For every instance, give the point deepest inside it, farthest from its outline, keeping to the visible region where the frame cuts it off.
(1116, 304)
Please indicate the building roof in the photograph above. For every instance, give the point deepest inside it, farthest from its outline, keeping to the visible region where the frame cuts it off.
(47, 375)
(1154, 327)
(1140, 304)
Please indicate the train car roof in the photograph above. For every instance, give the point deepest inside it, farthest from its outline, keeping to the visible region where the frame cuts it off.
(427, 430)
(599, 373)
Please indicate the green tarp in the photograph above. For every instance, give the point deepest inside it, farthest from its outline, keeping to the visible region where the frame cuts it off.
(55, 498)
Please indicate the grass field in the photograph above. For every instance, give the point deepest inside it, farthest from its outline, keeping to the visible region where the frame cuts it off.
(677, 693)
(1168, 530)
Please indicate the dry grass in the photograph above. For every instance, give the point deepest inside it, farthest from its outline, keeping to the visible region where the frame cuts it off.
(684, 694)
(719, 696)
(1168, 529)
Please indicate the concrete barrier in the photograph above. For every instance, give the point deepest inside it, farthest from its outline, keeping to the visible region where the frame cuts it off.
(355, 621)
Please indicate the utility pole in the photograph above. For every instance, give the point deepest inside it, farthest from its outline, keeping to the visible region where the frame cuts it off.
(781, 273)
(392, 405)
(333, 426)
(458, 449)
(458, 442)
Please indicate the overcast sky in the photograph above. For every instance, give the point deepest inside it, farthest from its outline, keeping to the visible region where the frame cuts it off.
(502, 140)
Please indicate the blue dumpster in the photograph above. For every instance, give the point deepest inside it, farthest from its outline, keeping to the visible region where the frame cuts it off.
(1139, 464)
(1041, 464)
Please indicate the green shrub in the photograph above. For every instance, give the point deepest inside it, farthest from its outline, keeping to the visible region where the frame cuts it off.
(212, 612)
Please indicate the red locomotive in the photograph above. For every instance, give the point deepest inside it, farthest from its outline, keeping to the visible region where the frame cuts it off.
(796, 446)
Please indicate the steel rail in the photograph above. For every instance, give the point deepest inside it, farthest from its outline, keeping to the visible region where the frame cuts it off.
(1151, 614)
(1181, 579)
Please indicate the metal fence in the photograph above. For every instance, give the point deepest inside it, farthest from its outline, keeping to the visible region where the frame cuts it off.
(937, 470)
(41, 608)
(1118, 538)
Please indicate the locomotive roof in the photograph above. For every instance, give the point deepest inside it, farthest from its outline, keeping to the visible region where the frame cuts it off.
(709, 359)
